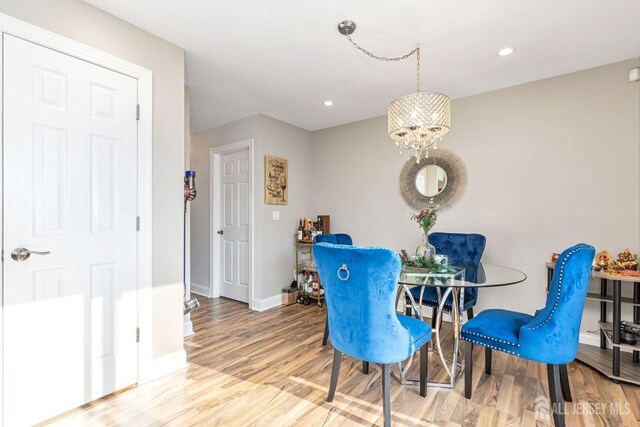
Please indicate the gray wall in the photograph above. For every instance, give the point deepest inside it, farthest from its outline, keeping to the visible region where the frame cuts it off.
(88, 25)
(274, 239)
(200, 226)
(550, 164)
(277, 251)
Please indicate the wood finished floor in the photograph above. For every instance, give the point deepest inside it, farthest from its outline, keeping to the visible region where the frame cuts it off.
(270, 369)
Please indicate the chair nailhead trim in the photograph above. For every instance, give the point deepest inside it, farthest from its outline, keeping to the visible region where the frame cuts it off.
(446, 307)
(421, 336)
(557, 301)
(491, 338)
(490, 346)
(436, 302)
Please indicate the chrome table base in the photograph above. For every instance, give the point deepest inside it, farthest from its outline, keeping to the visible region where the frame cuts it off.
(454, 367)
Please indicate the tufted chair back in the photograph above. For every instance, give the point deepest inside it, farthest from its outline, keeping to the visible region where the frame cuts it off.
(361, 303)
(552, 335)
(334, 239)
(467, 250)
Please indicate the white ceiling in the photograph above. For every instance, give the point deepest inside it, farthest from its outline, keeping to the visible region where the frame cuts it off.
(283, 58)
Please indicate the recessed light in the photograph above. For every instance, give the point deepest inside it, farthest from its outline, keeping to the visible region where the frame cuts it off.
(506, 51)
(328, 103)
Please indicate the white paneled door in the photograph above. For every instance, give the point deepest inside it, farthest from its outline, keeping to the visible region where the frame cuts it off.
(70, 307)
(234, 220)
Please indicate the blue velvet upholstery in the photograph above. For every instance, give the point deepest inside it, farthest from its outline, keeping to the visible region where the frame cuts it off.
(362, 313)
(551, 335)
(464, 250)
(334, 239)
(505, 338)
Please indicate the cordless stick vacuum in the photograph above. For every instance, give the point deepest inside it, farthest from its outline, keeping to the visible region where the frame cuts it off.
(189, 194)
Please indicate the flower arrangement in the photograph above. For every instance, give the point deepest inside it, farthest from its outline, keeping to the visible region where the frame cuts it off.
(427, 263)
(426, 218)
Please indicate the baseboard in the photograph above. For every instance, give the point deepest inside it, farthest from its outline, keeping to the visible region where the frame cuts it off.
(267, 303)
(168, 364)
(187, 328)
(589, 339)
(200, 290)
(594, 340)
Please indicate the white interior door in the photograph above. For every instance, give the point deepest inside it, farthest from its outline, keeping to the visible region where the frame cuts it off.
(234, 175)
(70, 317)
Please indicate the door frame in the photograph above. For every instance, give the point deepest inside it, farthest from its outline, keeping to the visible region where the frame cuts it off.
(23, 30)
(215, 196)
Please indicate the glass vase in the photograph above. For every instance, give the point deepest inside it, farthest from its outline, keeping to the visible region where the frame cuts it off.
(426, 249)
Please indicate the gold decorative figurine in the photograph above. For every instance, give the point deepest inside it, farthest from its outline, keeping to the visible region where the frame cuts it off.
(604, 262)
(627, 261)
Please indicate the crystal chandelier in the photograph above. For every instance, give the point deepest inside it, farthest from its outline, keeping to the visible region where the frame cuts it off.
(416, 121)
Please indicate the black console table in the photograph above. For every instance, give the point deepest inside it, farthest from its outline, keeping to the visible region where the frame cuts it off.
(611, 362)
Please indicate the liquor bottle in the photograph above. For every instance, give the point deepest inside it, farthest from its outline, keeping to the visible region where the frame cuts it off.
(310, 231)
(300, 231)
(320, 227)
(305, 230)
(314, 230)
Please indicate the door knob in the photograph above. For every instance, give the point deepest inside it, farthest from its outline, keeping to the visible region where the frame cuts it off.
(21, 254)
(221, 232)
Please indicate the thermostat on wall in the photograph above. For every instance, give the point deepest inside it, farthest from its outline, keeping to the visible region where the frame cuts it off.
(634, 75)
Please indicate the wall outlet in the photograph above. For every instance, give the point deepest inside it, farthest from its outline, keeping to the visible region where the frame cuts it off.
(276, 215)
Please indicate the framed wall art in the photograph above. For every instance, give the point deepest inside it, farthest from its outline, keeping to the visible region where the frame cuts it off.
(276, 180)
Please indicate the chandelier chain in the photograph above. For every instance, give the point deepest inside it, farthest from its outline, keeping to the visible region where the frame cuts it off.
(381, 58)
(417, 69)
(415, 51)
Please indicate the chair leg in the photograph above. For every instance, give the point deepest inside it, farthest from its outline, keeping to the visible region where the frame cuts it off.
(470, 313)
(487, 360)
(468, 368)
(555, 394)
(386, 394)
(434, 314)
(335, 371)
(424, 369)
(326, 331)
(365, 367)
(564, 380)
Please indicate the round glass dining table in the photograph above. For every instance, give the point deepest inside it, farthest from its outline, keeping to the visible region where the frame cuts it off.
(450, 282)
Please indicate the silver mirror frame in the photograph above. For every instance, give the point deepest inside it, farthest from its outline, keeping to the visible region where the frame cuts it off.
(456, 180)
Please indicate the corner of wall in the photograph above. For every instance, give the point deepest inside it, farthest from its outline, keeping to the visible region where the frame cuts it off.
(266, 303)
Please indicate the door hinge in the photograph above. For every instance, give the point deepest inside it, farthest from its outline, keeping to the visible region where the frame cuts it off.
(137, 223)
(137, 334)
(138, 112)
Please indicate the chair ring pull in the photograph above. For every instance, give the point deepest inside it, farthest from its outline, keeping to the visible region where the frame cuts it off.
(346, 270)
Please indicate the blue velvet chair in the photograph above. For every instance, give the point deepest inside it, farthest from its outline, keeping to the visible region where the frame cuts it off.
(464, 249)
(334, 239)
(549, 336)
(360, 290)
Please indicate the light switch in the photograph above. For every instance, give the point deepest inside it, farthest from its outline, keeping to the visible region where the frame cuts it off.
(276, 215)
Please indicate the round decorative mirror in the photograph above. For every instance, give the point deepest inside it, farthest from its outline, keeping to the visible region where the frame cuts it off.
(431, 180)
(441, 177)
